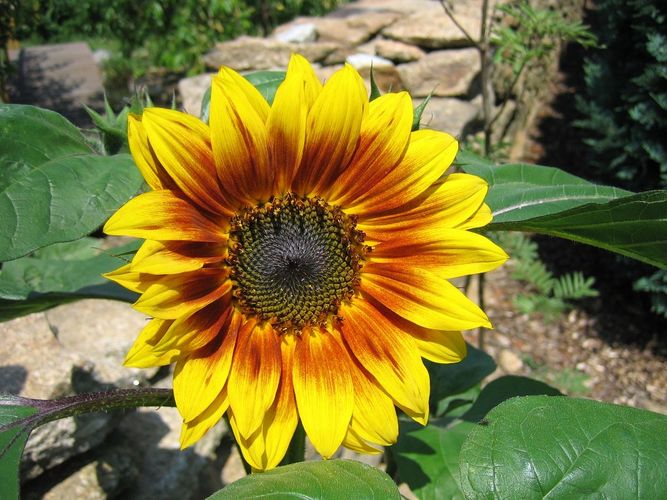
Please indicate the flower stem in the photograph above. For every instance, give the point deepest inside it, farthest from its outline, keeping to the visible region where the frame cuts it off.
(297, 447)
(49, 410)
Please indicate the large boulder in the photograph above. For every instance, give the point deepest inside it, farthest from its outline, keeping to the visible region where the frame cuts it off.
(445, 73)
(69, 350)
(192, 90)
(430, 27)
(253, 53)
(454, 116)
(345, 26)
(398, 52)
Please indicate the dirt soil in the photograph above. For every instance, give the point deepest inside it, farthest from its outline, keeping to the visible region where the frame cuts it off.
(589, 352)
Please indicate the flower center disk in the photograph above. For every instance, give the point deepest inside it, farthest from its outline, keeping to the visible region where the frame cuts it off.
(294, 260)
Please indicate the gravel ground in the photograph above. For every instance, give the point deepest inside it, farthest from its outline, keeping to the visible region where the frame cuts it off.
(578, 353)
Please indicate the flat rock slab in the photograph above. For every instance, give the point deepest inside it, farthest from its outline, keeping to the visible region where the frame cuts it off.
(253, 53)
(34, 363)
(192, 90)
(445, 73)
(62, 77)
(430, 27)
(454, 116)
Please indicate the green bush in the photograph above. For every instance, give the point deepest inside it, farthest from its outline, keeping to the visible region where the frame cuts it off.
(625, 106)
(170, 34)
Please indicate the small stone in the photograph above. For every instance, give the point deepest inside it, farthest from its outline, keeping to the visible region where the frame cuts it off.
(363, 61)
(102, 331)
(454, 116)
(62, 77)
(406, 492)
(398, 52)
(297, 33)
(430, 27)
(445, 73)
(233, 469)
(192, 92)
(509, 361)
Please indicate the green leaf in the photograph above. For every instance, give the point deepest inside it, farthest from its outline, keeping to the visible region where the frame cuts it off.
(266, 82)
(419, 111)
(549, 201)
(314, 480)
(12, 441)
(504, 388)
(375, 90)
(59, 274)
(427, 458)
(634, 226)
(448, 380)
(205, 106)
(53, 188)
(558, 447)
(520, 192)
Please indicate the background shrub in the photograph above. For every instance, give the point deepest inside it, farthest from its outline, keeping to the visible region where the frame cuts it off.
(625, 106)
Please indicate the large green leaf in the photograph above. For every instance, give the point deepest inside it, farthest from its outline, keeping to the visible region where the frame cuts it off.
(12, 442)
(266, 82)
(547, 200)
(634, 226)
(427, 458)
(504, 388)
(557, 447)
(61, 273)
(314, 480)
(520, 192)
(53, 186)
(452, 379)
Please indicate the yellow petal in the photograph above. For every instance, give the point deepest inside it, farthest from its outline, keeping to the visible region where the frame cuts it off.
(439, 346)
(354, 442)
(389, 354)
(374, 415)
(452, 203)
(254, 376)
(130, 279)
(194, 331)
(266, 447)
(301, 68)
(482, 217)
(421, 297)
(384, 136)
(427, 157)
(142, 354)
(161, 215)
(173, 257)
(200, 376)
(332, 131)
(323, 389)
(177, 295)
(239, 138)
(449, 253)
(287, 128)
(182, 143)
(144, 156)
(194, 430)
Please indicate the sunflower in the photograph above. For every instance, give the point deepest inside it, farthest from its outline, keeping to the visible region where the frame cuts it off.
(296, 260)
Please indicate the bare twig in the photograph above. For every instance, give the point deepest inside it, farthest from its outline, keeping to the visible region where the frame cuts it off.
(450, 14)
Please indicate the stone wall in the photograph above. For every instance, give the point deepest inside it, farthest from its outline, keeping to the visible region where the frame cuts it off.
(411, 44)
